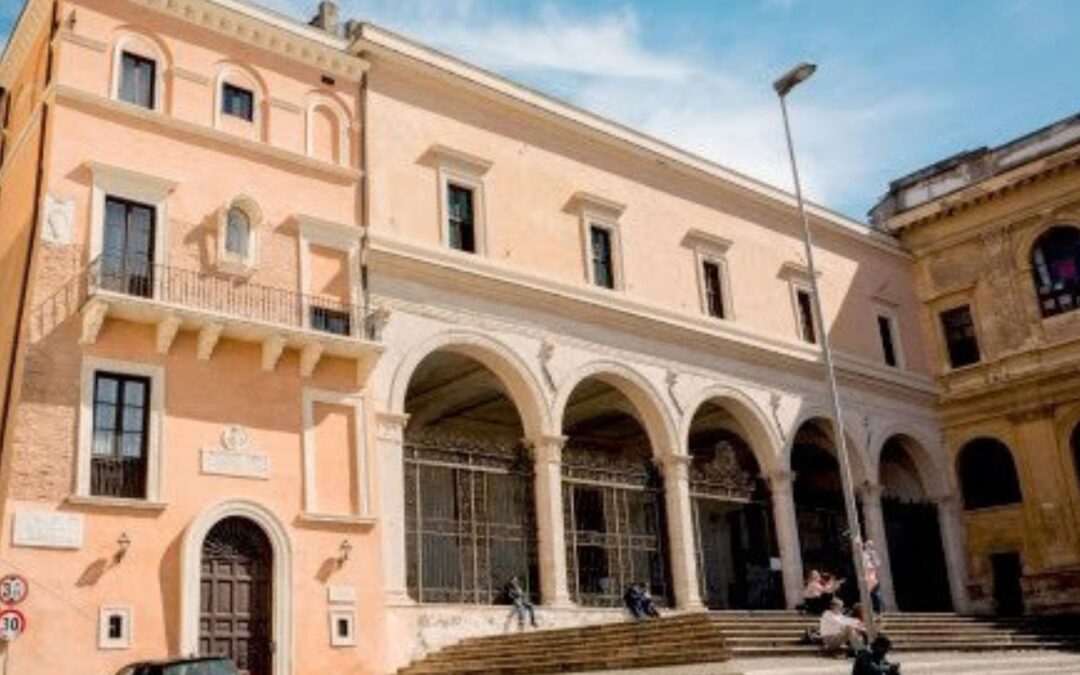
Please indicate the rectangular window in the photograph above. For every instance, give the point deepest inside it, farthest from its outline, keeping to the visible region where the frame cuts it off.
(714, 289)
(237, 101)
(888, 341)
(603, 264)
(119, 443)
(807, 325)
(333, 321)
(137, 74)
(960, 339)
(461, 218)
(127, 258)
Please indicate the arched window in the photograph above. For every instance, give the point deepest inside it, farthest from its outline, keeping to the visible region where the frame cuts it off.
(1055, 263)
(137, 67)
(237, 232)
(987, 474)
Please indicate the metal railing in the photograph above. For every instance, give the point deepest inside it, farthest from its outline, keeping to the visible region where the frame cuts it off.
(229, 296)
(123, 477)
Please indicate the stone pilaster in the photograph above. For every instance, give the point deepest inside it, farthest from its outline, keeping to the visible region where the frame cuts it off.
(550, 531)
(390, 437)
(781, 484)
(680, 522)
(874, 518)
(950, 519)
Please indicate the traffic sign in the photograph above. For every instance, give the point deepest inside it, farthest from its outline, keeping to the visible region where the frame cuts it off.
(13, 589)
(12, 624)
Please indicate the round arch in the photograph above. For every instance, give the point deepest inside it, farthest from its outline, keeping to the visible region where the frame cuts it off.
(635, 387)
(147, 45)
(525, 390)
(191, 561)
(916, 444)
(860, 464)
(764, 441)
(987, 473)
(317, 101)
(231, 72)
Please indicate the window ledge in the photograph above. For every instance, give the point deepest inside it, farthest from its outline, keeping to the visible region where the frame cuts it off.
(335, 519)
(115, 503)
(236, 267)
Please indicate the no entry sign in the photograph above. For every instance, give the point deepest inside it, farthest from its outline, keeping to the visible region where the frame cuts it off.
(12, 624)
(13, 589)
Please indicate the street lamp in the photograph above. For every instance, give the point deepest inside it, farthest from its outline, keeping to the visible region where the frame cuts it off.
(783, 87)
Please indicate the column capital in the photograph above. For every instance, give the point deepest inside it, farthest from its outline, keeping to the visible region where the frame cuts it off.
(870, 492)
(950, 502)
(390, 426)
(675, 465)
(546, 448)
(780, 480)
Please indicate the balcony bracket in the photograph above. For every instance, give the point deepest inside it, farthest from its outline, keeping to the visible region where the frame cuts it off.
(167, 329)
(309, 358)
(208, 339)
(272, 347)
(93, 317)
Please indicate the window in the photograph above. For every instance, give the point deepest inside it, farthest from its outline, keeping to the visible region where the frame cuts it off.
(714, 290)
(329, 320)
(237, 101)
(960, 339)
(460, 218)
(120, 429)
(237, 232)
(886, 330)
(1055, 262)
(137, 80)
(987, 474)
(805, 307)
(127, 261)
(342, 628)
(603, 263)
(114, 627)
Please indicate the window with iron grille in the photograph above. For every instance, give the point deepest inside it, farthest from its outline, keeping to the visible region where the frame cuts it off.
(461, 218)
(137, 80)
(714, 290)
(960, 338)
(603, 263)
(237, 101)
(118, 459)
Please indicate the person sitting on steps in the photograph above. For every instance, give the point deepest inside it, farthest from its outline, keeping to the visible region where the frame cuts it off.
(872, 661)
(838, 630)
(520, 600)
(818, 593)
(639, 601)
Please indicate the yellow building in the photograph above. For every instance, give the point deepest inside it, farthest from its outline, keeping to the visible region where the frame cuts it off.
(996, 237)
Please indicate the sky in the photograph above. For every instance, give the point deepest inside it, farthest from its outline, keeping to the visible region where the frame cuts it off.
(899, 84)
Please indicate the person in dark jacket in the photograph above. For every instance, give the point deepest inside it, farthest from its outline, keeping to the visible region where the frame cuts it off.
(873, 662)
(520, 600)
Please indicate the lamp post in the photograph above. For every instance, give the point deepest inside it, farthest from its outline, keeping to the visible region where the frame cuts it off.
(783, 87)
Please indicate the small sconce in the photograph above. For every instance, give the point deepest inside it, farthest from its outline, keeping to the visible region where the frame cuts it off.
(123, 544)
(343, 552)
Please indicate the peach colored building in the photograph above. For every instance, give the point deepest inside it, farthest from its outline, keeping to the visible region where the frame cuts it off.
(313, 337)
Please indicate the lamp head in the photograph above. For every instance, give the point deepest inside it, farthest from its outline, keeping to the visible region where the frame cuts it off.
(793, 77)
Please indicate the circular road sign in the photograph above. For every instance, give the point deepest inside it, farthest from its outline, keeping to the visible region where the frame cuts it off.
(13, 589)
(12, 624)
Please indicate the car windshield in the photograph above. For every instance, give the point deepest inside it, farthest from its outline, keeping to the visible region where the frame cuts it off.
(217, 667)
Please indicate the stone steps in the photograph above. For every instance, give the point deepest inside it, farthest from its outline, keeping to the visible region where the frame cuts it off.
(721, 636)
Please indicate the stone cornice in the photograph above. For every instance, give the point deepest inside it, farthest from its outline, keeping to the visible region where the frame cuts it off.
(72, 96)
(654, 320)
(266, 30)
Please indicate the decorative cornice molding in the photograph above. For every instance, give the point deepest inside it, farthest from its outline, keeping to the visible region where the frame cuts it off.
(473, 164)
(264, 30)
(593, 202)
(189, 75)
(287, 106)
(34, 17)
(82, 41)
(698, 238)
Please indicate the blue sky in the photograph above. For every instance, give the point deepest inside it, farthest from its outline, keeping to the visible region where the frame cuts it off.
(900, 84)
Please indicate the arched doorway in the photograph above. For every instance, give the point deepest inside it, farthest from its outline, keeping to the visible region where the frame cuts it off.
(734, 535)
(469, 516)
(613, 499)
(916, 555)
(236, 595)
(824, 537)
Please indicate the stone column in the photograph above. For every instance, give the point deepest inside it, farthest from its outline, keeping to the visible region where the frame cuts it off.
(550, 534)
(680, 523)
(390, 436)
(950, 520)
(874, 518)
(781, 483)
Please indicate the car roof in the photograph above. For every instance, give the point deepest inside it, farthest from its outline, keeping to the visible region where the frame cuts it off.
(179, 660)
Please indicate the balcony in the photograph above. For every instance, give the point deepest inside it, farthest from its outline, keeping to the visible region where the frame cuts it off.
(216, 307)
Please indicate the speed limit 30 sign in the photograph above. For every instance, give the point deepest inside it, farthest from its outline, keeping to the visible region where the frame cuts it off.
(13, 589)
(12, 624)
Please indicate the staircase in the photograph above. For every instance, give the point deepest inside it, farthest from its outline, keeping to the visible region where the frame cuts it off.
(712, 637)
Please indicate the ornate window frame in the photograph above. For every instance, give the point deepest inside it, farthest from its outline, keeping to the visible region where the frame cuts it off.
(148, 49)
(155, 466)
(243, 79)
(333, 235)
(127, 617)
(344, 157)
(230, 262)
(114, 181)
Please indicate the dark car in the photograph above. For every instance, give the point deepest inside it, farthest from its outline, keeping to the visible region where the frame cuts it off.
(195, 665)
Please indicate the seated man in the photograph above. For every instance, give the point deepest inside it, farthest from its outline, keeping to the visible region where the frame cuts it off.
(818, 593)
(520, 600)
(872, 661)
(838, 630)
(634, 602)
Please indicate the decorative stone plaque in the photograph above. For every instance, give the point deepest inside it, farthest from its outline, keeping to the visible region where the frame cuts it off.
(235, 456)
(57, 220)
(47, 529)
(341, 595)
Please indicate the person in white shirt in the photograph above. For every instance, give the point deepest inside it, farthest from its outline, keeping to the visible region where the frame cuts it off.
(871, 565)
(838, 630)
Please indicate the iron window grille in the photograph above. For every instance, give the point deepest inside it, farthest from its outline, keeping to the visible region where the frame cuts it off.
(120, 430)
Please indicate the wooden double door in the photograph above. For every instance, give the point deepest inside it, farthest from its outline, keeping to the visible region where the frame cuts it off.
(236, 595)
